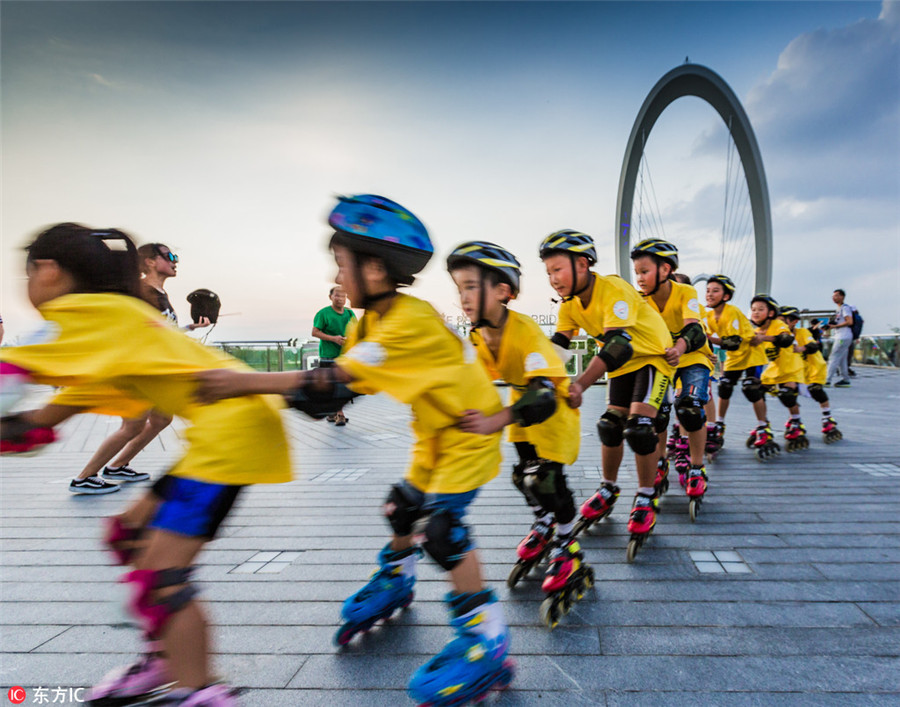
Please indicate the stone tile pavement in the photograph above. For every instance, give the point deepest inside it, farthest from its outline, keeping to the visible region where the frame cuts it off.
(785, 591)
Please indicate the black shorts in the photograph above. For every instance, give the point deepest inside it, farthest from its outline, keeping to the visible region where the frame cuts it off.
(645, 385)
(734, 376)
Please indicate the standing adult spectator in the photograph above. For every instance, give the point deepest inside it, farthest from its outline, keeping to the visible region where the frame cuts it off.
(840, 326)
(856, 332)
(158, 263)
(329, 327)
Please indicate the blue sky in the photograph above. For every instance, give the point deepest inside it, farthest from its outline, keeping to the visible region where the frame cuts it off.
(224, 129)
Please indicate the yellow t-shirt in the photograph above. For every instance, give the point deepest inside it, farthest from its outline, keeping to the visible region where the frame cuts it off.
(94, 340)
(615, 304)
(785, 365)
(732, 322)
(410, 354)
(101, 399)
(526, 353)
(815, 369)
(681, 305)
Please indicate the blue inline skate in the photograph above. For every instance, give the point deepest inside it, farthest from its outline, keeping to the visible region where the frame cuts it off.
(474, 662)
(390, 588)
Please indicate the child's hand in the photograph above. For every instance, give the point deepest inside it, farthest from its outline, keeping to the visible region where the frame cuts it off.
(218, 384)
(672, 356)
(575, 393)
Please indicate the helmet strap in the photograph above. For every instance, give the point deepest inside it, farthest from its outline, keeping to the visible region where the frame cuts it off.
(481, 320)
(575, 293)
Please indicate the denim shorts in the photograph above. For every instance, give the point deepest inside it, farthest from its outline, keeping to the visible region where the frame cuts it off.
(694, 380)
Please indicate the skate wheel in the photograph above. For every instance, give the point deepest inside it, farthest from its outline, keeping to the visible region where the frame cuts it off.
(550, 613)
(694, 509)
(515, 574)
(633, 547)
(344, 635)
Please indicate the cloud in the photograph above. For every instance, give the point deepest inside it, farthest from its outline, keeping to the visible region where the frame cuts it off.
(97, 78)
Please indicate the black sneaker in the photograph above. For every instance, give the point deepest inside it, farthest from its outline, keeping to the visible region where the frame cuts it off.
(92, 485)
(842, 384)
(124, 473)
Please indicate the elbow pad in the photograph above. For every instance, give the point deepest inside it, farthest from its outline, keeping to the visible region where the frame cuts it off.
(731, 343)
(318, 401)
(783, 340)
(560, 340)
(536, 405)
(693, 336)
(616, 349)
(811, 348)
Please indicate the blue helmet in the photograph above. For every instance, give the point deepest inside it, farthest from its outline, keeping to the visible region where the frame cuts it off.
(373, 225)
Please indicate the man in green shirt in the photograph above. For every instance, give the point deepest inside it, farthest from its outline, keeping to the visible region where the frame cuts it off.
(329, 326)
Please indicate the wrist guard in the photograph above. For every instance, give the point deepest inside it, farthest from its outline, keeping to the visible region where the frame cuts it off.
(811, 348)
(560, 340)
(783, 340)
(321, 396)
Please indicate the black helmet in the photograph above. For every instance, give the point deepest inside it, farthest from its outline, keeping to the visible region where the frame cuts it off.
(490, 256)
(768, 299)
(571, 242)
(725, 281)
(204, 303)
(663, 250)
(789, 312)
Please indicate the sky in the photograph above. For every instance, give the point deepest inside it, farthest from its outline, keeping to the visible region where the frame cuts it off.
(226, 129)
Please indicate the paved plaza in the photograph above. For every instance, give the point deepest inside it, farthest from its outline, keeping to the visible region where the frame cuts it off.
(785, 591)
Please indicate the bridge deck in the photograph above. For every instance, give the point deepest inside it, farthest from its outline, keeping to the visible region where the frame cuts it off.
(784, 592)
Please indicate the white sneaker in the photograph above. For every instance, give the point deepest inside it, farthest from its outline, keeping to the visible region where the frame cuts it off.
(92, 485)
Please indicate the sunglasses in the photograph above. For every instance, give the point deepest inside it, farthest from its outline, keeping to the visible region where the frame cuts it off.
(169, 255)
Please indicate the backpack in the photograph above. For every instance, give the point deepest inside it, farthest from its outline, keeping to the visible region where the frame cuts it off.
(857, 325)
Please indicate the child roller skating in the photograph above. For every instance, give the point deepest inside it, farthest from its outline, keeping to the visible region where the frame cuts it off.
(401, 346)
(85, 282)
(744, 358)
(634, 342)
(544, 429)
(655, 262)
(814, 371)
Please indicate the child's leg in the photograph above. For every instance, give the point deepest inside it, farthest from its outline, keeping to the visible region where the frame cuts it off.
(690, 408)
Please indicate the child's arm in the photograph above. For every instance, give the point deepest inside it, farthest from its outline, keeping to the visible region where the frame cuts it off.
(615, 352)
(537, 404)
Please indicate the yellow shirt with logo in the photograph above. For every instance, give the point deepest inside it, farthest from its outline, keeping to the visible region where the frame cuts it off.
(410, 354)
(615, 304)
(526, 353)
(732, 322)
(95, 340)
(785, 365)
(815, 368)
(681, 305)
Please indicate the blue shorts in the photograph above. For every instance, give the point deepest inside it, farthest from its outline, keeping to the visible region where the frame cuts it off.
(192, 508)
(694, 379)
(456, 504)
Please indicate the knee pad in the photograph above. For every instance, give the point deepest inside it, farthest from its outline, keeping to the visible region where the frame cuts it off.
(641, 435)
(817, 393)
(726, 388)
(787, 396)
(446, 538)
(752, 389)
(610, 427)
(690, 412)
(402, 509)
(661, 421)
(154, 614)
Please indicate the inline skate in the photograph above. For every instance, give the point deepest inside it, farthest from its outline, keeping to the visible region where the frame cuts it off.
(680, 453)
(763, 443)
(830, 430)
(795, 434)
(390, 588)
(567, 579)
(472, 663)
(597, 507)
(135, 684)
(532, 550)
(641, 522)
(715, 440)
(661, 484)
(696, 489)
